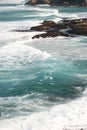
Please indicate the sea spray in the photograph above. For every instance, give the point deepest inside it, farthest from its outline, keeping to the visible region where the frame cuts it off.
(43, 82)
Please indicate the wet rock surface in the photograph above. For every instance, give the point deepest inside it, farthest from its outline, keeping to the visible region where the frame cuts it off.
(63, 28)
(67, 28)
(58, 2)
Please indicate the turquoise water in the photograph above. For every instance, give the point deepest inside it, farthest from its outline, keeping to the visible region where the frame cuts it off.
(36, 75)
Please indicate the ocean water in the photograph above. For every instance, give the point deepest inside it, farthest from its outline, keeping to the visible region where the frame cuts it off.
(43, 82)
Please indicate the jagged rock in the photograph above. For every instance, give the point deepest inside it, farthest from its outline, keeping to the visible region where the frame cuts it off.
(58, 2)
(46, 25)
(33, 2)
(52, 29)
(78, 32)
(51, 34)
(49, 25)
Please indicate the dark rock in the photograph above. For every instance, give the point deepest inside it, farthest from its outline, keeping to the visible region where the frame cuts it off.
(52, 29)
(33, 2)
(58, 2)
(19, 30)
(49, 25)
(78, 32)
(51, 34)
(44, 26)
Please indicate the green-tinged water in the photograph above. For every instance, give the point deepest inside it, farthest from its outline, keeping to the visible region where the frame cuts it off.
(39, 75)
(50, 77)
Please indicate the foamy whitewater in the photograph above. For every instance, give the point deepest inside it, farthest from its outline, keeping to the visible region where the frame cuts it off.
(43, 82)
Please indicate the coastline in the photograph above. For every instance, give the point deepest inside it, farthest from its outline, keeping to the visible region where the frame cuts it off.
(43, 68)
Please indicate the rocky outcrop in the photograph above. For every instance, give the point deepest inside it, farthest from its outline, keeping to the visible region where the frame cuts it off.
(58, 2)
(34, 2)
(51, 34)
(64, 28)
(67, 28)
(46, 25)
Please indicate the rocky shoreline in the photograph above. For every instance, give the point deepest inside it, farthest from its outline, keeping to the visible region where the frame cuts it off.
(66, 28)
(58, 2)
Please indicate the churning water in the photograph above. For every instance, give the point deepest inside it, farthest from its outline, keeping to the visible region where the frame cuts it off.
(43, 82)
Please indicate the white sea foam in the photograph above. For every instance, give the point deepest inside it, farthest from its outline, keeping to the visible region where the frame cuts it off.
(68, 16)
(10, 1)
(18, 48)
(56, 118)
(61, 47)
(22, 53)
(11, 25)
(25, 105)
(82, 14)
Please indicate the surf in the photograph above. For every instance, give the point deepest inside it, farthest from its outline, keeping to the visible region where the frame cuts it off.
(42, 81)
